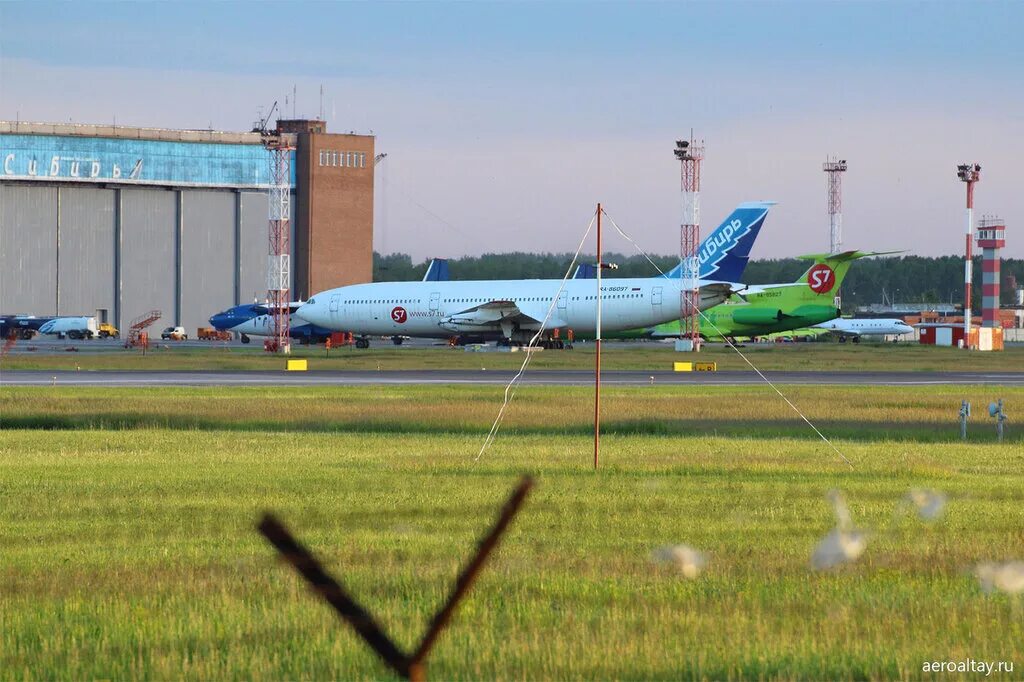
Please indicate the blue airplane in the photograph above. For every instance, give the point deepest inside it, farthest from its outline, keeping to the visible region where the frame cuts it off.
(253, 319)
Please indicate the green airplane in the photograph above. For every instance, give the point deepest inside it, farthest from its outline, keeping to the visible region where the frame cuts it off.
(769, 308)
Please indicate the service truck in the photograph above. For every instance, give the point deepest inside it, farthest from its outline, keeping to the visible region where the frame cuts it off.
(71, 327)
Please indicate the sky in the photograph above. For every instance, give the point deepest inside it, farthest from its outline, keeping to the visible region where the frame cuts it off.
(506, 123)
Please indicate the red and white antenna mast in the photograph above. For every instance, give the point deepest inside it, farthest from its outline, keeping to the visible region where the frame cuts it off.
(968, 173)
(279, 259)
(690, 154)
(834, 170)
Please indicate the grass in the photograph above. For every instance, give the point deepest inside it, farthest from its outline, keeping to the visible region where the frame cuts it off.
(875, 413)
(795, 356)
(129, 552)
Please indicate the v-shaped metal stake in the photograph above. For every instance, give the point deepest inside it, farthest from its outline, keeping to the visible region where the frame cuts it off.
(410, 666)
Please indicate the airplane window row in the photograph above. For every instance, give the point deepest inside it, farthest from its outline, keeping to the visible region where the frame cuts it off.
(607, 296)
(388, 301)
(342, 159)
(507, 298)
(484, 300)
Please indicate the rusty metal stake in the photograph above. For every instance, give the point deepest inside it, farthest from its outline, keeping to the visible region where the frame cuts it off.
(410, 667)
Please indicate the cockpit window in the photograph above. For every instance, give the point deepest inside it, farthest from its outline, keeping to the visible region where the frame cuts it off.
(311, 301)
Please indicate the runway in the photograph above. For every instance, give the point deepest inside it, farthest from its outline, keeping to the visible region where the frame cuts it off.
(483, 377)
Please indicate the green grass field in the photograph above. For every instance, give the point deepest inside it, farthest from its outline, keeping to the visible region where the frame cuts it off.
(129, 551)
(648, 356)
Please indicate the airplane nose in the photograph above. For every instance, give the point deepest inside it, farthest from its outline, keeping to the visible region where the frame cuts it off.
(307, 311)
(218, 321)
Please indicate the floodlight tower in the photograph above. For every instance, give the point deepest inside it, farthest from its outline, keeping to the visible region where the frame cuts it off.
(968, 173)
(279, 272)
(834, 170)
(690, 154)
(279, 212)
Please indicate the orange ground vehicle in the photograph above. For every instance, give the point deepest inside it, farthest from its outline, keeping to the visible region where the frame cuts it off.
(211, 334)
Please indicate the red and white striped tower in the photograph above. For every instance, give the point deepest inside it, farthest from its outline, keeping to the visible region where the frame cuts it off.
(970, 174)
(279, 258)
(991, 238)
(690, 155)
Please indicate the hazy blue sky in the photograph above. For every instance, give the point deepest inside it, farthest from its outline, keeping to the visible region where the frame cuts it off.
(505, 123)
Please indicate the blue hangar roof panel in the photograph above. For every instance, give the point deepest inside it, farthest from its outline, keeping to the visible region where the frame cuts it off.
(67, 158)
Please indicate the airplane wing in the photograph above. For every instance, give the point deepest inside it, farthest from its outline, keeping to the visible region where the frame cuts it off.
(264, 308)
(504, 314)
(713, 293)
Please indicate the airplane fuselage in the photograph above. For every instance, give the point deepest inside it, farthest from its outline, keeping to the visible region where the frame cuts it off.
(246, 321)
(867, 327)
(499, 308)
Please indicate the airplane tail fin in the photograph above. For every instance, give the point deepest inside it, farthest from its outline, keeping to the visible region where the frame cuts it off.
(826, 274)
(724, 253)
(585, 271)
(437, 271)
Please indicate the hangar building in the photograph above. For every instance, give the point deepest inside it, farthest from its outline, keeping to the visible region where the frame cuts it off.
(116, 221)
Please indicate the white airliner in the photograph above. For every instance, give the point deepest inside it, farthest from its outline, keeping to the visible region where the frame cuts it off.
(848, 326)
(513, 310)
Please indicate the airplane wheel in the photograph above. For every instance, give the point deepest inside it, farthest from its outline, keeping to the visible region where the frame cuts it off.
(856, 339)
(842, 339)
(362, 343)
(245, 339)
(397, 340)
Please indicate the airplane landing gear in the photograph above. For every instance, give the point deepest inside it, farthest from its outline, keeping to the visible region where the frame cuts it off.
(245, 339)
(397, 340)
(362, 342)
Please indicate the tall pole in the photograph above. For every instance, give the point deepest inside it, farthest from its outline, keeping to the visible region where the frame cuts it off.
(834, 171)
(690, 155)
(279, 270)
(279, 252)
(969, 174)
(597, 356)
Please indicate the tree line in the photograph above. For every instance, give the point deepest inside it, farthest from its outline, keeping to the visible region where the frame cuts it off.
(903, 279)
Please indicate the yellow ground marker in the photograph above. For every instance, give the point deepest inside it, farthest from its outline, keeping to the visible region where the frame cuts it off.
(682, 366)
(297, 365)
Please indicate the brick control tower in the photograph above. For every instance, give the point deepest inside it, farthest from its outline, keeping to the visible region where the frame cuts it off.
(990, 239)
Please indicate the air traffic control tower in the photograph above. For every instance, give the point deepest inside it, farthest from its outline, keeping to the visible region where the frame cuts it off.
(114, 221)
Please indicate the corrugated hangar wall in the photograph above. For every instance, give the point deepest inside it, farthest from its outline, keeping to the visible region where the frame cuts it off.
(87, 230)
(28, 249)
(189, 253)
(148, 264)
(207, 255)
(253, 247)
